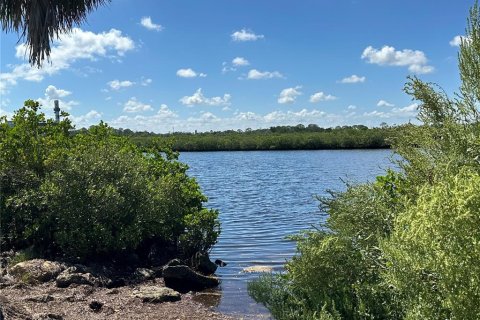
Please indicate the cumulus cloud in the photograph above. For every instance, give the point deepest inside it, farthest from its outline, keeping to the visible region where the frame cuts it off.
(77, 45)
(53, 93)
(383, 103)
(86, 120)
(117, 84)
(189, 73)
(415, 60)
(165, 112)
(148, 23)
(206, 121)
(246, 35)
(321, 96)
(240, 62)
(133, 106)
(353, 79)
(352, 107)
(254, 74)
(457, 41)
(199, 99)
(289, 95)
(409, 111)
(236, 62)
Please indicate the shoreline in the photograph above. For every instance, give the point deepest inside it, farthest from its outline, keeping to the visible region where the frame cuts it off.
(45, 301)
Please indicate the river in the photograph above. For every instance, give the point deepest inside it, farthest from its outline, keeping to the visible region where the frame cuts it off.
(264, 196)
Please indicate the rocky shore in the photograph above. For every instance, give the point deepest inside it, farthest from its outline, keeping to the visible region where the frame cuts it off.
(40, 290)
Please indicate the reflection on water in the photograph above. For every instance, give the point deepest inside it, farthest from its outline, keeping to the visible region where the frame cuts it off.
(263, 197)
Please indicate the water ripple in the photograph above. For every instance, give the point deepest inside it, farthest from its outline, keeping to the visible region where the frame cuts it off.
(265, 196)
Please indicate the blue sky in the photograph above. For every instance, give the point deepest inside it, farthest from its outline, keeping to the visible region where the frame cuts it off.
(215, 65)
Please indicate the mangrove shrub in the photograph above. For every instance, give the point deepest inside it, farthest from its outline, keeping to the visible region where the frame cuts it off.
(94, 194)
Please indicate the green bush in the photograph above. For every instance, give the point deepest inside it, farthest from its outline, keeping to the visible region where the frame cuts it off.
(434, 253)
(93, 193)
(338, 270)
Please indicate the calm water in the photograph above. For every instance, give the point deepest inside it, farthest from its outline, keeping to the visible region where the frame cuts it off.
(263, 197)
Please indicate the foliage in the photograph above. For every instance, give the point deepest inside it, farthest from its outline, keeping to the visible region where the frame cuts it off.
(297, 137)
(433, 254)
(94, 194)
(338, 268)
(405, 246)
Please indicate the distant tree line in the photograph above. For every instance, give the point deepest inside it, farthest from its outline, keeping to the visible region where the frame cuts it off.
(299, 137)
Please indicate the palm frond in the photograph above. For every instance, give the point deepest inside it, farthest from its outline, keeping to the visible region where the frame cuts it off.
(41, 21)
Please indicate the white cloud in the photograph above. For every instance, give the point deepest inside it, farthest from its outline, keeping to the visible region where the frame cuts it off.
(199, 99)
(146, 82)
(457, 41)
(87, 119)
(321, 96)
(240, 62)
(189, 73)
(289, 95)
(165, 112)
(71, 47)
(352, 107)
(162, 121)
(148, 23)
(293, 117)
(133, 105)
(117, 84)
(410, 111)
(415, 60)
(246, 35)
(353, 79)
(383, 103)
(205, 121)
(51, 94)
(254, 74)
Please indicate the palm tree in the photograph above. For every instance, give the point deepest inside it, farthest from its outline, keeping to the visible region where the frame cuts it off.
(40, 21)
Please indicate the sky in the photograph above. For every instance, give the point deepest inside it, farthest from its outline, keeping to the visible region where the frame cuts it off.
(178, 65)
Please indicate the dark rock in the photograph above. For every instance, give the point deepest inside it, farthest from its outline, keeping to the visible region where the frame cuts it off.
(157, 295)
(220, 263)
(203, 264)
(143, 274)
(36, 271)
(40, 299)
(68, 277)
(184, 279)
(95, 305)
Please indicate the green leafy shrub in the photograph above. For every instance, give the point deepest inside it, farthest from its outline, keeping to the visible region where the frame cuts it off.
(94, 194)
(338, 270)
(434, 253)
